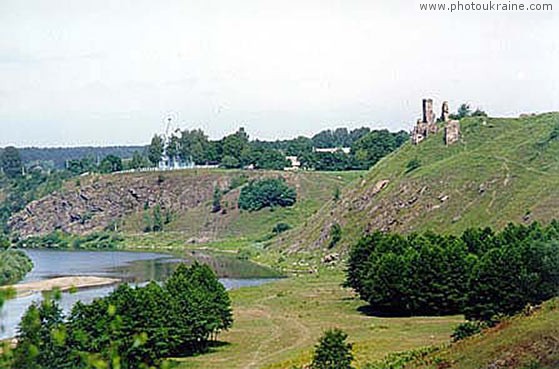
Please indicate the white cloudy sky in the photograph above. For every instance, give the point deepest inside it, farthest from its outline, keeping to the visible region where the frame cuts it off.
(107, 72)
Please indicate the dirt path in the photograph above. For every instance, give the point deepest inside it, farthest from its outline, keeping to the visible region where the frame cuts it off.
(278, 323)
(62, 283)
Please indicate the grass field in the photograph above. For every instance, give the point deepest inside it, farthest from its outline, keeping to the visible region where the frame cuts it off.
(276, 326)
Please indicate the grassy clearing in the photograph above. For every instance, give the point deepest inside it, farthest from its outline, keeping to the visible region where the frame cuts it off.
(276, 326)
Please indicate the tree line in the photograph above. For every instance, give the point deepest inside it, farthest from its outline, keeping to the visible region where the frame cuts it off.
(481, 274)
(237, 150)
(133, 327)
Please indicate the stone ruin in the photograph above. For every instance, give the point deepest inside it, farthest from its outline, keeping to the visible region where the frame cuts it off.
(428, 124)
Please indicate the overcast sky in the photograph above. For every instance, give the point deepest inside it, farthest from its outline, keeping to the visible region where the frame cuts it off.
(108, 72)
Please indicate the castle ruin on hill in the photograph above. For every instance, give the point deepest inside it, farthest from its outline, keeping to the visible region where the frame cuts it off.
(428, 124)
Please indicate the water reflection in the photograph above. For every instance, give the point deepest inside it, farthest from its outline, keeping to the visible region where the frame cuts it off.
(133, 267)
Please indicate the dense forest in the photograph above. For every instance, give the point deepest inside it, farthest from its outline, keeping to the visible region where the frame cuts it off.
(482, 273)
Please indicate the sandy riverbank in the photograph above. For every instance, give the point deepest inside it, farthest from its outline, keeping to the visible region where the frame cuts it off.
(62, 283)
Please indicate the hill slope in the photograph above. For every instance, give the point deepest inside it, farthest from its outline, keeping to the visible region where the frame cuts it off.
(502, 170)
(521, 343)
(123, 201)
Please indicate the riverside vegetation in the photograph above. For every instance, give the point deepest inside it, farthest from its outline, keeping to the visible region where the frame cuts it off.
(131, 328)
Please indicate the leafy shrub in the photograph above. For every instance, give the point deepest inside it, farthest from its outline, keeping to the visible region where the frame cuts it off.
(244, 254)
(280, 228)
(466, 329)
(237, 181)
(412, 165)
(399, 360)
(267, 192)
(335, 235)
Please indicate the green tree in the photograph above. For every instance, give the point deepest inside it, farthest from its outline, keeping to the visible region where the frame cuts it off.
(138, 161)
(110, 164)
(155, 150)
(230, 162)
(10, 162)
(216, 202)
(463, 111)
(42, 338)
(332, 351)
(375, 145)
(235, 144)
(195, 146)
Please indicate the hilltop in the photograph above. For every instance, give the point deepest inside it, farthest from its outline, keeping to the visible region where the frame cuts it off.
(501, 170)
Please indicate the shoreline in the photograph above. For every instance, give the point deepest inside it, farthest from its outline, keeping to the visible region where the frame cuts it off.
(60, 283)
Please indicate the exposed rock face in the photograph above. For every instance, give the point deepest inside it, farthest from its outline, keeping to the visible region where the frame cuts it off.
(452, 132)
(101, 201)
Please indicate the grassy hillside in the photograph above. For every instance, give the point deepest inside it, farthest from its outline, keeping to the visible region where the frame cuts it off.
(125, 201)
(502, 170)
(524, 342)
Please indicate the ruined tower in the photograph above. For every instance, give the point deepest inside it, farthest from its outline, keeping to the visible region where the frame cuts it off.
(428, 113)
(445, 112)
(451, 131)
(428, 124)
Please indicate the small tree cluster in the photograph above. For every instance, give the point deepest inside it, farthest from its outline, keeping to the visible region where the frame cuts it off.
(268, 192)
(131, 328)
(480, 274)
(332, 351)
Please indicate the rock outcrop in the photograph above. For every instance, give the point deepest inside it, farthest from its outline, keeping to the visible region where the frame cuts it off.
(101, 201)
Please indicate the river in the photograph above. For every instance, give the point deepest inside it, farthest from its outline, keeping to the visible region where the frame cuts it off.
(133, 267)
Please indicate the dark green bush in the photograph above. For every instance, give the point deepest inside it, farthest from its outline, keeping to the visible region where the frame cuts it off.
(335, 235)
(280, 228)
(466, 330)
(268, 192)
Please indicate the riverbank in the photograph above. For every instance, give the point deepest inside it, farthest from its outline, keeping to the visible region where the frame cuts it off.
(61, 283)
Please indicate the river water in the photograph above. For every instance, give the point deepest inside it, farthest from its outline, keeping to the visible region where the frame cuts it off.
(133, 267)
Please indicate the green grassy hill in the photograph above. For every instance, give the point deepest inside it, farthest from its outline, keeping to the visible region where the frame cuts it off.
(502, 170)
(523, 342)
